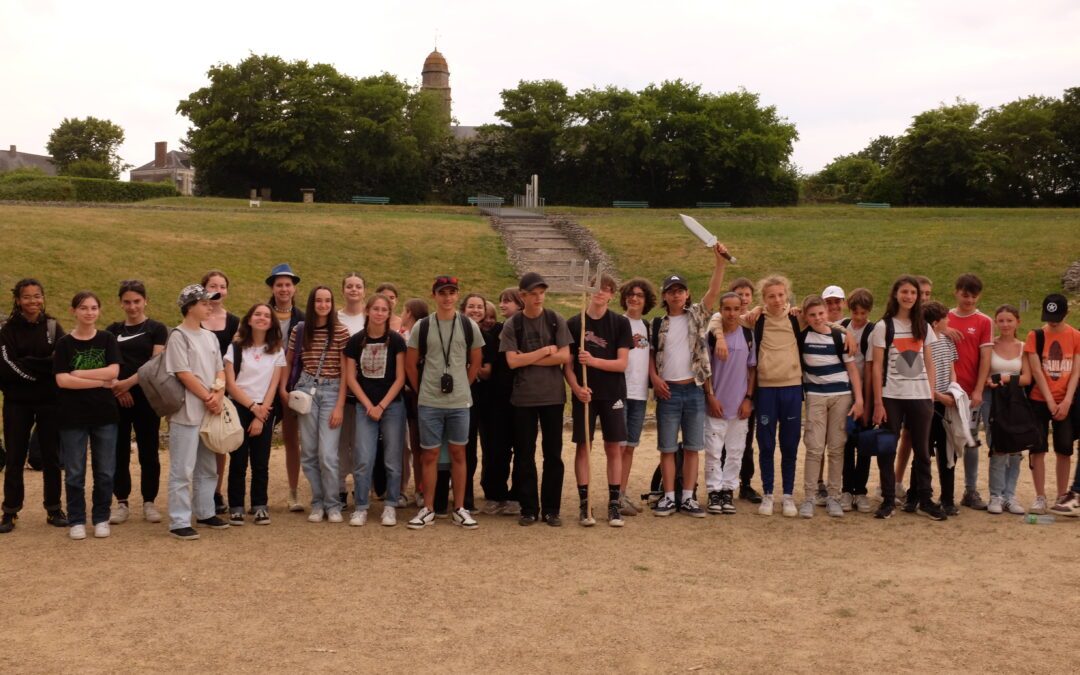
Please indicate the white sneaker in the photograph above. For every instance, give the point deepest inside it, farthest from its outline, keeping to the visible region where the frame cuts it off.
(847, 502)
(402, 502)
(77, 532)
(120, 514)
(463, 518)
(315, 517)
(512, 508)
(807, 508)
(790, 511)
(1014, 507)
(150, 513)
(335, 516)
(766, 507)
(423, 518)
(862, 504)
(294, 503)
(102, 530)
(389, 516)
(358, 518)
(1038, 507)
(995, 505)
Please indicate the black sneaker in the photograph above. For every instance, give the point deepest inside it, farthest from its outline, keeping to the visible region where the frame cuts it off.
(343, 497)
(213, 522)
(884, 511)
(613, 516)
(236, 518)
(184, 533)
(910, 506)
(933, 511)
(553, 519)
(56, 518)
(691, 508)
(749, 494)
(727, 502)
(950, 509)
(526, 521)
(716, 504)
(262, 517)
(7, 523)
(219, 504)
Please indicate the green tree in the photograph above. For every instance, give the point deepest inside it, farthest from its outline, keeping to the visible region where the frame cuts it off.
(90, 145)
(880, 150)
(848, 179)
(1067, 131)
(1023, 153)
(941, 159)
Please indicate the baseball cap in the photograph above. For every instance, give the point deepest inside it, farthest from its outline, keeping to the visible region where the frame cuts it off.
(1054, 308)
(531, 280)
(832, 292)
(673, 280)
(444, 281)
(195, 293)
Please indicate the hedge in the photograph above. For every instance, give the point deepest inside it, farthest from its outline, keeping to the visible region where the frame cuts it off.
(37, 190)
(20, 186)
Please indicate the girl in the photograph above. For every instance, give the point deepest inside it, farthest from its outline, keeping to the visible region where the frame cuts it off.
(319, 341)
(902, 388)
(637, 297)
(223, 325)
(253, 366)
(495, 473)
(474, 306)
(375, 374)
(27, 341)
(1007, 362)
(391, 292)
(139, 339)
(352, 317)
(282, 282)
(415, 309)
(352, 314)
(86, 363)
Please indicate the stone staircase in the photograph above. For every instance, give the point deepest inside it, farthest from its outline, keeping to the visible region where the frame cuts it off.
(535, 243)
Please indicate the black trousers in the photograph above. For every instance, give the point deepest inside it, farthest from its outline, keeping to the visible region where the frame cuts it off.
(146, 424)
(857, 468)
(497, 419)
(746, 472)
(528, 421)
(256, 452)
(915, 415)
(946, 475)
(19, 420)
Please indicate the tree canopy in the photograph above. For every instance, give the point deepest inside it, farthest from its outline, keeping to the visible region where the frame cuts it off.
(87, 148)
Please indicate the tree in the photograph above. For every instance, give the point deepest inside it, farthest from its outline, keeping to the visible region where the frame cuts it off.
(1023, 153)
(847, 179)
(1066, 126)
(941, 158)
(880, 150)
(89, 145)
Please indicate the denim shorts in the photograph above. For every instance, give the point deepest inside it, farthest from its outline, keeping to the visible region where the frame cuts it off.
(437, 424)
(635, 420)
(685, 410)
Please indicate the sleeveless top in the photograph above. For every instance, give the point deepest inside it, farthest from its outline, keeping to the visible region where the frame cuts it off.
(999, 365)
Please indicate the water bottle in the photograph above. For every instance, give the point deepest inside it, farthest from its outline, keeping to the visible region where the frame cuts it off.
(1034, 519)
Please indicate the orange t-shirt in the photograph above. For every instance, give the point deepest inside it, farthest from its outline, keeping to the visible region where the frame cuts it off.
(1058, 358)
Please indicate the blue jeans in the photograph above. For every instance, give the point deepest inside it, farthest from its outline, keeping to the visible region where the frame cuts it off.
(684, 410)
(319, 443)
(635, 420)
(103, 455)
(1004, 472)
(392, 426)
(192, 476)
(779, 406)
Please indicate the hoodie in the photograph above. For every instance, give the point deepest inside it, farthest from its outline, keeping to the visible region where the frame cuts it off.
(26, 359)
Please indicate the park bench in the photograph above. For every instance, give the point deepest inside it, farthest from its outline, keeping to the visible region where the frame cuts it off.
(364, 199)
(473, 201)
(873, 205)
(625, 204)
(714, 205)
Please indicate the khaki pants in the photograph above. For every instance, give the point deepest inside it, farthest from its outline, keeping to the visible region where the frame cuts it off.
(826, 428)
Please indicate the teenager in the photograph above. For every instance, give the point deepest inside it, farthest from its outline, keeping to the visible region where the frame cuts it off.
(608, 340)
(903, 452)
(86, 362)
(856, 471)
(903, 386)
(27, 341)
(415, 310)
(451, 345)
(223, 324)
(1007, 363)
(944, 355)
(495, 470)
(536, 342)
(834, 299)
(375, 374)
(352, 316)
(744, 289)
(193, 355)
(254, 364)
(318, 345)
(474, 306)
(391, 292)
(139, 339)
(972, 368)
(282, 282)
(637, 298)
(679, 368)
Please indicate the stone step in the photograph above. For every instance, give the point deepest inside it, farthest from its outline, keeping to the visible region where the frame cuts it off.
(526, 244)
(534, 255)
(518, 231)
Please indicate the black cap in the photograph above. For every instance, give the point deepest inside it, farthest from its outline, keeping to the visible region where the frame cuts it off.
(1055, 307)
(531, 280)
(444, 281)
(674, 280)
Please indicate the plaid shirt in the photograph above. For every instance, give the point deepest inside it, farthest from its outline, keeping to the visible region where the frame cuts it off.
(698, 323)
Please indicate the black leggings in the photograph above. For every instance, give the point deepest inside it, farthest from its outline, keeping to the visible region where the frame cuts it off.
(146, 424)
(914, 415)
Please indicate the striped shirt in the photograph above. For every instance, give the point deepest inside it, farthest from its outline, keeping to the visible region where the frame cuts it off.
(944, 354)
(824, 372)
(331, 368)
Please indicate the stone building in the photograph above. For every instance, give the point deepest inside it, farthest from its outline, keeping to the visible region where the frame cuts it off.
(435, 77)
(13, 159)
(173, 166)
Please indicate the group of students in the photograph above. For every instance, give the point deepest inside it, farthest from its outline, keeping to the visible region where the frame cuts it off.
(384, 394)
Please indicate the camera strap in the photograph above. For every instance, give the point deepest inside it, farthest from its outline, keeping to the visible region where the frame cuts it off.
(443, 345)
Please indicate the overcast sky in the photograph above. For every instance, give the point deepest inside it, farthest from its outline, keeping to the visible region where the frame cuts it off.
(842, 71)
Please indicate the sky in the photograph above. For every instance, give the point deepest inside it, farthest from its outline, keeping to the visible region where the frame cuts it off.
(843, 72)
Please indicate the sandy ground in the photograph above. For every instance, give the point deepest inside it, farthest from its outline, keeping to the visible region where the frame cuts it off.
(744, 593)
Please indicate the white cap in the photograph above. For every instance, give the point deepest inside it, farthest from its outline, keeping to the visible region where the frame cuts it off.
(832, 292)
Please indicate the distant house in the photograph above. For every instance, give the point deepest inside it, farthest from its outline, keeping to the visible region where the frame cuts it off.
(173, 166)
(13, 159)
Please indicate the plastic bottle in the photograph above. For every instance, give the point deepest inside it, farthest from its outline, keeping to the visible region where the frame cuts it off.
(1034, 519)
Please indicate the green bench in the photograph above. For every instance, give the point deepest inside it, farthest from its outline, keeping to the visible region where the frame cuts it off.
(624, 204)
(473, 201)
(714, 205)
(874, 205)
(364, 199)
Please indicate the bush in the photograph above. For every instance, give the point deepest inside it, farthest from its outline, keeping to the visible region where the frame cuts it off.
(89, 168)
(38, 190)
(22, 175)
(99, 190)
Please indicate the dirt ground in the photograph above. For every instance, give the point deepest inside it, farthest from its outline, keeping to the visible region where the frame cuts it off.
(746, 593)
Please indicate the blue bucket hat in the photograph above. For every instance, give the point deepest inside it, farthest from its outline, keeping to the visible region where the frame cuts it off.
(282, 270)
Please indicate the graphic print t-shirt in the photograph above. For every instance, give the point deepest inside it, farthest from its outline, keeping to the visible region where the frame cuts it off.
(906, 366)
(137, 343)
(978, 332)
(637, 368)
(376, 365)
(1058, 357)
(86, 407)
(604, 337)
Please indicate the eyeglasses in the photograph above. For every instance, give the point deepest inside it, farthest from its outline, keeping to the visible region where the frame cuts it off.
(636, 294)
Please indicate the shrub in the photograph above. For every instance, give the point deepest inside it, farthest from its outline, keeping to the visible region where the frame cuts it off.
(38, 190)
(22, 175)
(99, 190)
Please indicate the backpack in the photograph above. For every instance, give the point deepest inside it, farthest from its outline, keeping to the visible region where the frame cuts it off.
(748, 335)
(1012, 422)
(759, 332)
(864, 341)
(163, 390)
(838, 337)
(424, 326)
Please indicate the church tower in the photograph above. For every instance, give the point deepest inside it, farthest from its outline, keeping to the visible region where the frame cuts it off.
(436, 78)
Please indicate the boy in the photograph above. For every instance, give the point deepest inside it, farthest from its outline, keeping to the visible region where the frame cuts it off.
(607, 351)
(834, 303)
(973, 350)
(194, 356)
(537, 346)
(450, 364)
(945, 356)
(857, 465)
(743, 288)
(729, 396)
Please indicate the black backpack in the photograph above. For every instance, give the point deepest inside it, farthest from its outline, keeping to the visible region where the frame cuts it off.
(1012, 421)
(864, 341)
(838, 337)
(748, 335)
(424, 327)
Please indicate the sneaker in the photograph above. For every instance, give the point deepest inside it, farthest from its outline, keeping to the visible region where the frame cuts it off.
(213, 522)
(834, 508)
(950, 509)
(822, 494)
(901, 494)
(526, 521)
(220, 508)
(358, 518)
(614, 517)
(806, 510)
(664, 507)
(422, 519)
(909, 506)
(236, 518)
(727, 502)
(627, 507)
(334, 516)
(933, 511)
(512, 508)
(185, 533)
(766, 508)
(120, 514)
(862, 503)
(973, 500)
(716, 504)
(1038, 507)
(294, 504)
(7, 523)
(389, 516)
(262, 517)
(691, 508)
(995, 505)
(56, 518)
(789, 509)
(77, 532)
(402, 502)
(1014, 508)
(847, 501)
(316, 516)
(491, 508)
(749, 494)
(552, 520)
(585, 518)
(102, 530)
(1067, 505)
(884, 511)
(150, 513)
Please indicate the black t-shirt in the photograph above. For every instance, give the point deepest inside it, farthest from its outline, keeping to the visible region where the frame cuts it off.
(137, 343)
(502, 375)
(376, 368)
(603, 339)
(225, 335)
(86, 407)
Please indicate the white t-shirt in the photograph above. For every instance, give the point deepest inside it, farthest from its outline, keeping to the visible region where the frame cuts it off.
(906, 375)
(861, 359)
(200, 355)
(637, 367)
(355, 323)
(256, 369)
(677, 355)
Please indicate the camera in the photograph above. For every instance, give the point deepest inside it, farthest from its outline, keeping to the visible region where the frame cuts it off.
(446, 384)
